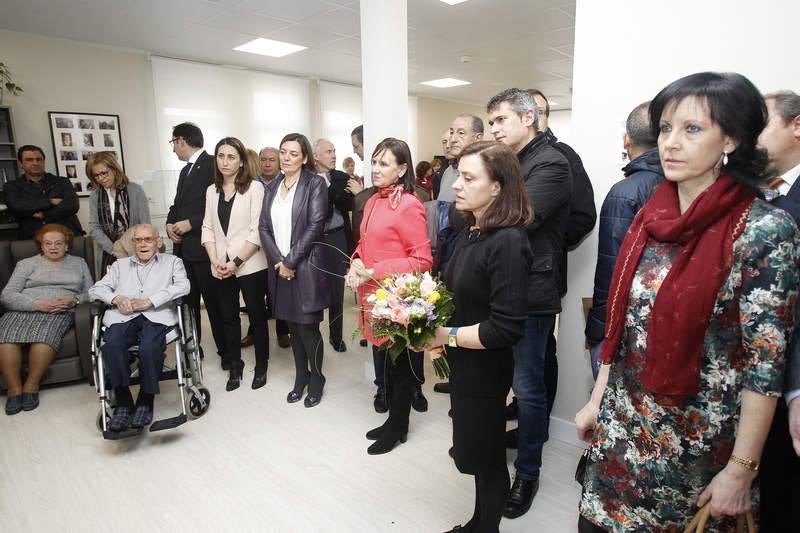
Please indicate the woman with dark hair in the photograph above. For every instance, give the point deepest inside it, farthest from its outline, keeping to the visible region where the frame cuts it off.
(699, 313)
(424, 173)
(230, 237)
(488, 274)
(115, 205)
(40, 298)
(292, 222)
(393, 240)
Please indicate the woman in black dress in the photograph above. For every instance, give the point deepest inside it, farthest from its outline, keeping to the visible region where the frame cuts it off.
(488, 275)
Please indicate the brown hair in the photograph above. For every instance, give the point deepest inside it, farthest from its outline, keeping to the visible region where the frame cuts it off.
(402, 155)
(512, 206)
(244, 176)
(108, 159)
(47, 228)
(253, 160)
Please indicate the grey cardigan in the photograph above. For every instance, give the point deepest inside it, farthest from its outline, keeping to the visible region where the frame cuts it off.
(36, 277)
(139, 212)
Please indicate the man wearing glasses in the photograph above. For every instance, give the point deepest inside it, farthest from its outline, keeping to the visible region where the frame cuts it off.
(38, 197)
(185, 221)
(142, 289)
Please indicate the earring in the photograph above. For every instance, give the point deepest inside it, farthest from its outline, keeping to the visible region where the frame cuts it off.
(724, 158)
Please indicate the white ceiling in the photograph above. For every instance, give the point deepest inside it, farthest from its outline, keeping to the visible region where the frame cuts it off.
(513, 43)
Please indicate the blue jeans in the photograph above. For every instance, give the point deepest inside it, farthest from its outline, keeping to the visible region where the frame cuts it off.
(529, 388)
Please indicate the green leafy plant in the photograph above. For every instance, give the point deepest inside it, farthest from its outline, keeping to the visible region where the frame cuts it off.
(6, 83)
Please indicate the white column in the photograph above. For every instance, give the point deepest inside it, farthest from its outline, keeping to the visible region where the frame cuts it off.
(384, 73)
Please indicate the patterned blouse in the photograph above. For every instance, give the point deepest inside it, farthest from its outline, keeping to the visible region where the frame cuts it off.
(648, 462)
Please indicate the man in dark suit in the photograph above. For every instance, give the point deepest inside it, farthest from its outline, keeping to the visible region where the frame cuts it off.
(338, 234)
(185, 221)
(780, 468)
(38, 197)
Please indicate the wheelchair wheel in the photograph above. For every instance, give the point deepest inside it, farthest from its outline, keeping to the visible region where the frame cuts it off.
(199, 403)
(99, 419)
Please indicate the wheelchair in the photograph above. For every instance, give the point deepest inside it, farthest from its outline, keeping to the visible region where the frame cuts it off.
(188, 372)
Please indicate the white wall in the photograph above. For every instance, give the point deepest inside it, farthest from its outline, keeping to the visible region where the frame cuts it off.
(434, 115)
(626, 60)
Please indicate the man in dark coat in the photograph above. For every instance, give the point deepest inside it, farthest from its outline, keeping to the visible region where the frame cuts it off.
(38, 197)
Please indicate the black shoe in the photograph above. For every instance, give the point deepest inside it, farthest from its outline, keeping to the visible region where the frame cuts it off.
(450, 412)
(442, 386)
(375, 434)
(419, 402)
(285, 340)
(386, 442)
(312, 401)
(224, 363)
(235, 376)
(450, 453)
(30, 401)
(381, 402)
(363, 343)
(142, 417)
(259, 380)
(295, 395)
(512, 438)
(512, 409)
(521, 497)
(14, 404)
(339, 345)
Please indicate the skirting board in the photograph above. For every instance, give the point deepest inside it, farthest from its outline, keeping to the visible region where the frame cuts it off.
(565, 432)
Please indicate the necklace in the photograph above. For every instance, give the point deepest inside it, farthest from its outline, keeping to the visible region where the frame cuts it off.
(289, 187)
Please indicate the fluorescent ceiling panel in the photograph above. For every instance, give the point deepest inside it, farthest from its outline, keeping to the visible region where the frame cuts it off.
(268, 47)
(446, 82)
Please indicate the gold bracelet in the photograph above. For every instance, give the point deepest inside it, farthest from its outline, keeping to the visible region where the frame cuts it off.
(747, 463)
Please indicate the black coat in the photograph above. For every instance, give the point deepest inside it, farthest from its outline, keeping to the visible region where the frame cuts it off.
(190, 204)
(341, 199)
(25, 198)
(549, 187)
(623, 201)
(309, 212)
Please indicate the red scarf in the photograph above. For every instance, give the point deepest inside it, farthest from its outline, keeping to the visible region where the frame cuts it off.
(686, 298)
(393, 193)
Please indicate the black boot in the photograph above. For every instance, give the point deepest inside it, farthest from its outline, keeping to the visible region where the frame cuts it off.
(375, 434)
(387, 441)
(419, 402)
(235, 375)
(381, 402)
(521, 497)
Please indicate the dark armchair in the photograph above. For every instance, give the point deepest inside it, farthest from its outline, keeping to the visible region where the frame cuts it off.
(73, 361)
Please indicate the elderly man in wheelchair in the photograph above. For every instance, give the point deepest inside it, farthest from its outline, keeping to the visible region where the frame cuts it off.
(142, 290)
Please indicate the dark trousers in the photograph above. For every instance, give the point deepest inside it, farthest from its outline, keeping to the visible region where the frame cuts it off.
(400, 382)
(307, 348)
(151, 338)
(254, 290)
(201, 282)
(779, 478)
(337, 264)
(551, 370)
(379, 358)
(281, 327)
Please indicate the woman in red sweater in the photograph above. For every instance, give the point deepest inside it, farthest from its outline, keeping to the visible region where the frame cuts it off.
(394, 239)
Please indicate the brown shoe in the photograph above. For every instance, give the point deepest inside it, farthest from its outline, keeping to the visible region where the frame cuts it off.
(284, 341)
(247, 341)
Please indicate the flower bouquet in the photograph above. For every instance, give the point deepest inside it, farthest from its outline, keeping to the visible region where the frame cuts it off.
(407, 308)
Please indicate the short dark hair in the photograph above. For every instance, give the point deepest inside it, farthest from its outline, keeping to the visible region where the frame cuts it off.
(638, 127)
(402, 155)
(305, 148)
(476, 122)
(537, 92)
(512, 206)
(358, 133)
(28, 148)
(736, 105)
(244, 177)
(787, 104)
(190, 133)
(422, 168)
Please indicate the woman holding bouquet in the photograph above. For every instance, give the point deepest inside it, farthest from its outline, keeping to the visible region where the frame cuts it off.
(394, 239)
(488, 275)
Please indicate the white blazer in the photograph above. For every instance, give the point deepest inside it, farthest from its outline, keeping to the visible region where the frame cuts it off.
(242, 227)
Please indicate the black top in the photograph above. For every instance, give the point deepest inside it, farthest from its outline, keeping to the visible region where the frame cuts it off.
(190, 204)
(224, 208)
(25, 198)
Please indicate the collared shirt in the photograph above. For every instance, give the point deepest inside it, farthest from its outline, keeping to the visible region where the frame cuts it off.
(193, 159)
(161, 280)
(788, 180)
(446, 192)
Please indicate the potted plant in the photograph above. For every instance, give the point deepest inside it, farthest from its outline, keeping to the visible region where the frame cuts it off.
(6, 83)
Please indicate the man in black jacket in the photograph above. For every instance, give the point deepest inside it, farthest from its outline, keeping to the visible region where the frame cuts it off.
(185, 222)
(642, 175)
(513, 120)
(38, 197)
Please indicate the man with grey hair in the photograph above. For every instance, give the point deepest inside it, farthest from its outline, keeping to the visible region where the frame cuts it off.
(466, 129)
(626, 197)
(513, 117)
(780, 468)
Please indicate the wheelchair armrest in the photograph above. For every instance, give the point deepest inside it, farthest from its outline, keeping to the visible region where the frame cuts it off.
(98, 308)
(83, 335)
(178, 301)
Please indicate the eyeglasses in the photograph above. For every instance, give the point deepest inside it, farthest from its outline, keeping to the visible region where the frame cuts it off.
(102, 174)
(148, 240)
(171, 141)
(48, 244)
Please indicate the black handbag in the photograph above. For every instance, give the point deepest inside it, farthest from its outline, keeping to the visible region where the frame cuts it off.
(580, 471)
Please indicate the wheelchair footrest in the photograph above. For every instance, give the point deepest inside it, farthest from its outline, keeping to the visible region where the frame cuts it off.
(168, 423)
(119, 435)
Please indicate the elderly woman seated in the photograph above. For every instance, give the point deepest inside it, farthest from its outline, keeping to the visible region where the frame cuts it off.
(39, 298)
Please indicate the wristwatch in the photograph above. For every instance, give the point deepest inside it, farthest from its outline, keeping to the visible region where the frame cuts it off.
(452, 342)
(237, 261)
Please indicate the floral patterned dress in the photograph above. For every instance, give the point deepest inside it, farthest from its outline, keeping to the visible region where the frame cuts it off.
(648, 462)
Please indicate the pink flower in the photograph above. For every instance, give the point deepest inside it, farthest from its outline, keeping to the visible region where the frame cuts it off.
(427, 286)
(399, 316)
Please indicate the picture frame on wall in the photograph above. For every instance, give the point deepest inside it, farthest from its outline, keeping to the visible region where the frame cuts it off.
(76, 136)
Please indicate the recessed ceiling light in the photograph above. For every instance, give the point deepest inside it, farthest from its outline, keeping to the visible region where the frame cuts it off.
(453, 2)
(445, 82)
(268, 47)
(552, 103)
